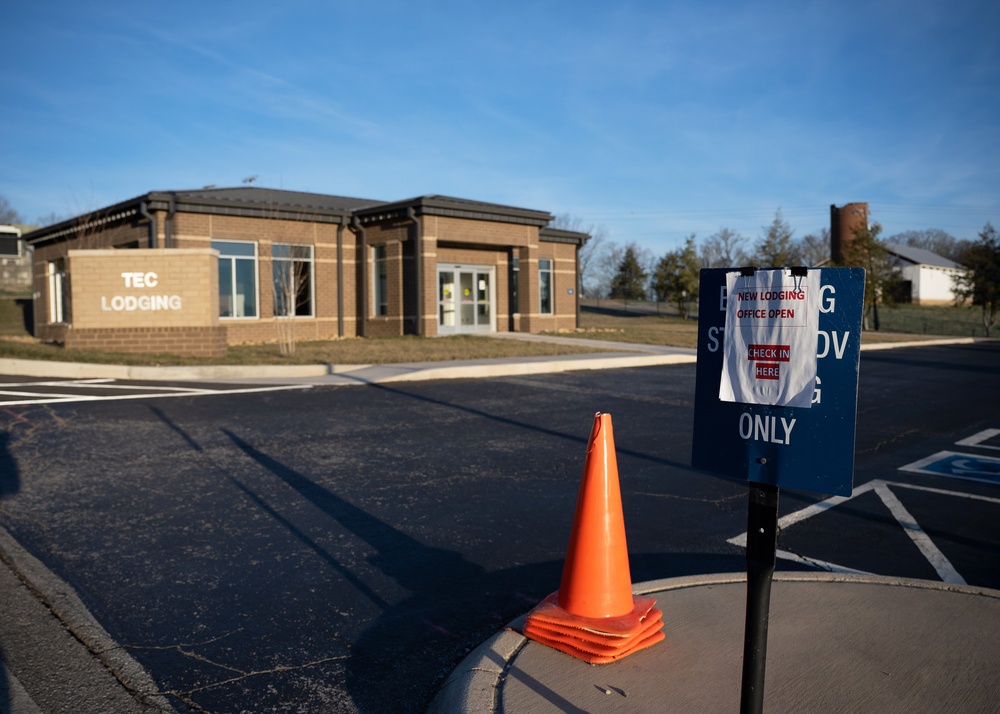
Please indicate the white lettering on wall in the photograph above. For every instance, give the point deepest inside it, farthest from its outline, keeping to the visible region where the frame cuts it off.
(131, 303)
(140, 280)
(142, 303)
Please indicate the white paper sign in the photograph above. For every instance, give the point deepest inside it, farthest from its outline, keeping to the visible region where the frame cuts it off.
(772, 330)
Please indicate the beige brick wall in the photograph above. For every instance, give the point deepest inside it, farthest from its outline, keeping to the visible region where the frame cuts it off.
(144, 288)
(563, 317)
(459, 230)
(200, 230)
(191, 341)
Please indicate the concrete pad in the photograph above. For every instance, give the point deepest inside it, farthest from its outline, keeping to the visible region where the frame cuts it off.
(836, 643)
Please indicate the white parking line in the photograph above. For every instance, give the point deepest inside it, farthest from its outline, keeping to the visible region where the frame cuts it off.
(882, 488)
(142, 392)
(978, 439)
(945, 570)
(96, 384)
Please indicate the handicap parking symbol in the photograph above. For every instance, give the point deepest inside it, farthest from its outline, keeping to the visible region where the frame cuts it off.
(958, 465)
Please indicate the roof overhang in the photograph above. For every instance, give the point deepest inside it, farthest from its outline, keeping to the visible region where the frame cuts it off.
(449, 207)
(559, 235)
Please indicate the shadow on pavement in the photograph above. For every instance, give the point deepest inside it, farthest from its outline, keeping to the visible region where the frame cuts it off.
(453, 605)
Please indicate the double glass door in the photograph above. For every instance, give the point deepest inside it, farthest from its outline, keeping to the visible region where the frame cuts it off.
(465, 299)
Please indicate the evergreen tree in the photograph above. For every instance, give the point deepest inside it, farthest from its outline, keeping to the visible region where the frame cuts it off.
(677, 276)
(882, 274)
(980, 285)
(776, 249)
(629, 283)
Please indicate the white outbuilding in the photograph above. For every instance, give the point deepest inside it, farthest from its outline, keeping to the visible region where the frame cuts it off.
(929, 276)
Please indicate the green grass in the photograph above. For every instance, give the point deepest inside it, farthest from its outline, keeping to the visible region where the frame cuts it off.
(947, 321)
(15, 313)
(643, 328)
(659, 324)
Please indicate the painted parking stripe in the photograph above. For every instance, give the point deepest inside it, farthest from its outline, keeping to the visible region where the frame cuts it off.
(143, 392)
(945, 570)
(882, 488)
(956, 464)
(979, 440)
(97, 384)
(58, 382)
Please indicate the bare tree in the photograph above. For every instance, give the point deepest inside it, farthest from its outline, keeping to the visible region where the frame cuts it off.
(934, 240)
(814, 249)
(724, 249)
(7, 213)
(50, 219)
(291, 268)
(590, 254)
(606, 267)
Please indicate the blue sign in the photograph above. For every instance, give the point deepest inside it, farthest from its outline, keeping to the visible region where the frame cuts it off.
(792, 447)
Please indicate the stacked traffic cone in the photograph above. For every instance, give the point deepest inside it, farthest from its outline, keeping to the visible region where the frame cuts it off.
(594, 616)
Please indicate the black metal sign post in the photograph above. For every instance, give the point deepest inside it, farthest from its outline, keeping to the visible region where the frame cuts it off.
(773, 446)
(762, 539)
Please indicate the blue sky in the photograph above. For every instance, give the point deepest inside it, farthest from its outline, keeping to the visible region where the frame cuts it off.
(654, 119)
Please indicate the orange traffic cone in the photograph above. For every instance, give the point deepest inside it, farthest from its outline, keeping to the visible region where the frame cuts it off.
(594, 616)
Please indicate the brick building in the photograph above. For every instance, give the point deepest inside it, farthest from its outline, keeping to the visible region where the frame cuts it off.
(190, 272)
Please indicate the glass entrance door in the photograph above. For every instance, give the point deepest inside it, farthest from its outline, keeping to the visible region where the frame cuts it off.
(465, 299)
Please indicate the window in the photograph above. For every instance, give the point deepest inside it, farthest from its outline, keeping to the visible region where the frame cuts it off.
(10, 245)
(292, 272)
(380, 293)
(515, 273)
(58, 291)
(545, 286)
(237, 278)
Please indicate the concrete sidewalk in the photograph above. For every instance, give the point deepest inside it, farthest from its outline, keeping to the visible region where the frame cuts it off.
(613, 355)
(836, 643)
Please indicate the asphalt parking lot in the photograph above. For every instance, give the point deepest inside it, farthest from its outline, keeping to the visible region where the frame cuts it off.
(341, 549)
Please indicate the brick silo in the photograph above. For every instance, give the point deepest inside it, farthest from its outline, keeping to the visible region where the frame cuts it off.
(844, 221)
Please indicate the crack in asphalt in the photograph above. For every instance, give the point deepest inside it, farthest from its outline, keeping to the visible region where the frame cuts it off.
(185, 695)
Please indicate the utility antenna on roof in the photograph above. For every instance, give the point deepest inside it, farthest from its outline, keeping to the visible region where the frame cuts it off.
(250, 179)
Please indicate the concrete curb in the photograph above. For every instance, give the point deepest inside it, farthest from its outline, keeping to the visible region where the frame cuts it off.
(474, 684)
(871, 346)
(60, 598)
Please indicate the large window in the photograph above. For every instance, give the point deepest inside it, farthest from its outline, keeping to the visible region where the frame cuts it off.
(380, 280)
(545, 286)
(237, 278)
(58, 291)
(292, 271)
